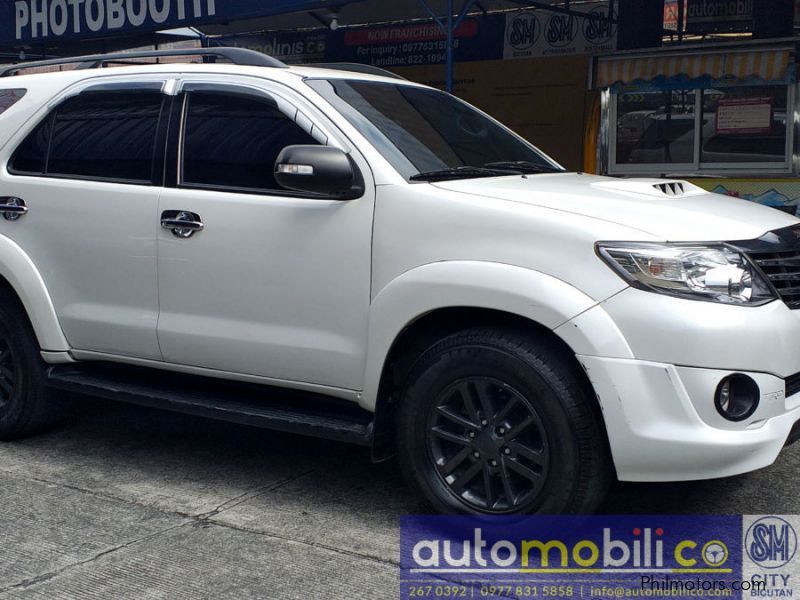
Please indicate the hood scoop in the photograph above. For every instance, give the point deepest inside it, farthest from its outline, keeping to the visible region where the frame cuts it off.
(655, 188)
(674, 188)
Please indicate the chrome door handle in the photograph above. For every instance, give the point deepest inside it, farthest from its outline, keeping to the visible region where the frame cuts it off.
(181, 223)
(12, 208)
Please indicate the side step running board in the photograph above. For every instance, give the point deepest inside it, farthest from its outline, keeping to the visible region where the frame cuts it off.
(254, 405)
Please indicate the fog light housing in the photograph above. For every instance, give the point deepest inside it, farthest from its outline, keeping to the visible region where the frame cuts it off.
(737, 397)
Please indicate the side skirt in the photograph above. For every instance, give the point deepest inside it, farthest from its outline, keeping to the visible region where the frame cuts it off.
(247, 404)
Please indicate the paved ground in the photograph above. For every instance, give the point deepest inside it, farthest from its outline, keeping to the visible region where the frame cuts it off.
(125, 502)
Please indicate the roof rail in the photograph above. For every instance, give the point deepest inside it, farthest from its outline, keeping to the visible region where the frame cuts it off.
(238, 56)
(356, 68)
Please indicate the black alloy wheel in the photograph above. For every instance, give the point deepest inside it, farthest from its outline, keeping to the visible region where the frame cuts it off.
(501, 421)
(489, 444)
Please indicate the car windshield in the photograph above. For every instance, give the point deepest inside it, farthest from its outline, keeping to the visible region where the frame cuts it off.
(428, 135)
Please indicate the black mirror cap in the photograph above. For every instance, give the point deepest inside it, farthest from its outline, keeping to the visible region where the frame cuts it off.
(323, 171)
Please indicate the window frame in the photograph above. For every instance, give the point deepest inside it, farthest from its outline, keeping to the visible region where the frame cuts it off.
(111, 87)
(177, 137)
(697, 166)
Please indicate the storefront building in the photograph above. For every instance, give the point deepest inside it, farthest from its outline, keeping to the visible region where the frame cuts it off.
(722, 115)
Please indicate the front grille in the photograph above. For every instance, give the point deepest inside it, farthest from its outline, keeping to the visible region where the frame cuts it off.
(777, 254)
(783, 270)
(792, 384)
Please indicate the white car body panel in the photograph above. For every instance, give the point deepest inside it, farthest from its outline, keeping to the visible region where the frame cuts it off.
(103, 285)
(695, 217)
(458, 283)
(18, 269)
(273, 286)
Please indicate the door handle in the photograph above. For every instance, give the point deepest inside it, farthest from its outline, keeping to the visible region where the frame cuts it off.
(12, 208)
(181, 223)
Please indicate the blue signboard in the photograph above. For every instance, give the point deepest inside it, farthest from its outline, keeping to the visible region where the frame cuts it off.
(29, 22)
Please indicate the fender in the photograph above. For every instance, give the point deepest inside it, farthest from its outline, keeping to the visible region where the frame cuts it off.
(517, 290)
(24, 277)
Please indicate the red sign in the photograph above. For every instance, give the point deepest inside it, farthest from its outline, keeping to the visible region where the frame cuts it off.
(406, 33)
(671, 14)
(744, 116)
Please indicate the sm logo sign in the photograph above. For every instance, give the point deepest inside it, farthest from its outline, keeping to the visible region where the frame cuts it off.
(524, 31)
(771, 542)
(561, 30)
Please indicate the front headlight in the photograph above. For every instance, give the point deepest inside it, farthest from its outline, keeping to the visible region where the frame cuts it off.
(716, 273)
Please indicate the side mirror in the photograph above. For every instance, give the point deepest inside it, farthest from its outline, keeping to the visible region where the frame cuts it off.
(320, 170)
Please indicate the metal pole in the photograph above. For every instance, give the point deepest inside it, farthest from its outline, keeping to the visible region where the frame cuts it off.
(681, 8)
(450, 67)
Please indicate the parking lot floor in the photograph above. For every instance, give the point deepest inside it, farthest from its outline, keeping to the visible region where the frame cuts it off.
(127, 502)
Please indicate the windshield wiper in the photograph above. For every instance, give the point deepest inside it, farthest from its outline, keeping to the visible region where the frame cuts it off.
(523, 166)
(465, 172)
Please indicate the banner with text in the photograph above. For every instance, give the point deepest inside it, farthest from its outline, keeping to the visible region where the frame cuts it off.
(30, 21)
(578, 557)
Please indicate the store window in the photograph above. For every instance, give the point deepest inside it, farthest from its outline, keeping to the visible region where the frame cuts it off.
(744, 125)
(656, 128)
(737, 127)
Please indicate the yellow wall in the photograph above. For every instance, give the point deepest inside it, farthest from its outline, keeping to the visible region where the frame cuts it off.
(542, 99)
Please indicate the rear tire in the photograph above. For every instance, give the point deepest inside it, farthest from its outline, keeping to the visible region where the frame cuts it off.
(26, 405)
(495, 422)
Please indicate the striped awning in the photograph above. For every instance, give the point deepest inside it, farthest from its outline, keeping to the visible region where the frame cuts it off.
(766, 66)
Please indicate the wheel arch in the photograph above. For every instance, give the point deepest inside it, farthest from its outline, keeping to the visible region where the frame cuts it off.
(20, 278)
(426, 304)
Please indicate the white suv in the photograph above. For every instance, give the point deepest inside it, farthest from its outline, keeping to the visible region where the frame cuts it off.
(361, 258)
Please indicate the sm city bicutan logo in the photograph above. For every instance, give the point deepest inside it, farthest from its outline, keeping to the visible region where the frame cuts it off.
(641, 551)
(771, 542)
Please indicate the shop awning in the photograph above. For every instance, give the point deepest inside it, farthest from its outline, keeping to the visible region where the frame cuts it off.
(709, 69)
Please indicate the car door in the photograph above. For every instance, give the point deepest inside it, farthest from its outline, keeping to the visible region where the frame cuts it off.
(276, 284)
(89, 175)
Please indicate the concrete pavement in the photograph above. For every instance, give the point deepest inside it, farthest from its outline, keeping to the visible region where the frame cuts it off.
(126, 502)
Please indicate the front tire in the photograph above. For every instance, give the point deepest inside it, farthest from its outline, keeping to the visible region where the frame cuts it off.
(497, 423)
(26, 405)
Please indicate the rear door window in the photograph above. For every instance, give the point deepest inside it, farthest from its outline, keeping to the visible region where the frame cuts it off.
(109, 136)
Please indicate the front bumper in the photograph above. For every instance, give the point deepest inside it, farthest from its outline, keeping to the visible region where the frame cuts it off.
(655, 363)
(657, 434)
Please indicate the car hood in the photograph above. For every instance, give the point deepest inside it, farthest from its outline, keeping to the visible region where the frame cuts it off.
(671, 210)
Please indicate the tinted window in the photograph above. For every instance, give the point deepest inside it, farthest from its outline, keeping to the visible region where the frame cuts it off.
(420, 129)
(233, 141)
(9, 98)
(31, 156)
(106, 136)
